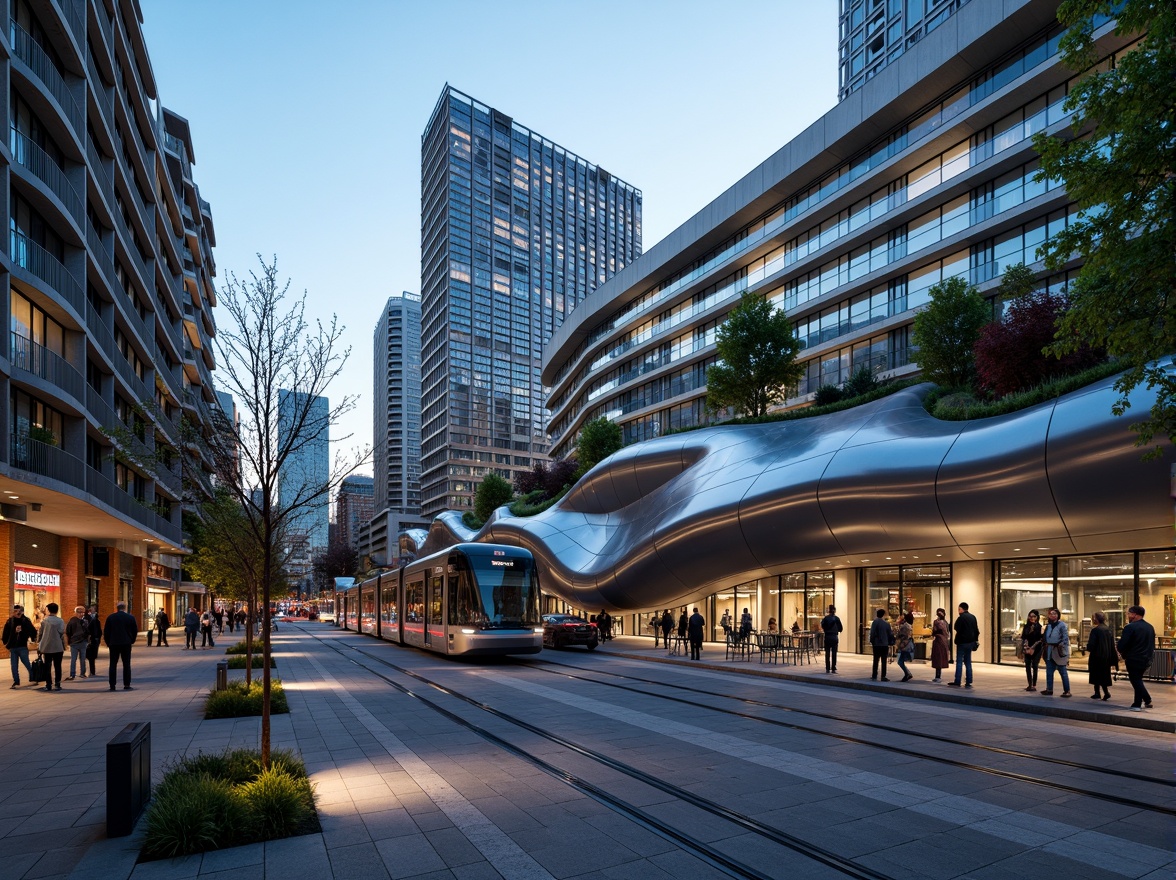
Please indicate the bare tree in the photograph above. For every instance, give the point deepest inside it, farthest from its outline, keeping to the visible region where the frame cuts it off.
(266, 347)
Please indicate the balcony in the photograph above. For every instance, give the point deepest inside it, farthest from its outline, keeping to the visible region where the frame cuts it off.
(28, 155)
(73, 18)
(33, 258)
(26, 49)
(98, 172)
(34, 358)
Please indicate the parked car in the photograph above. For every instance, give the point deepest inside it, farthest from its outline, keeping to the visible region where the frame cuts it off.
(561, 630)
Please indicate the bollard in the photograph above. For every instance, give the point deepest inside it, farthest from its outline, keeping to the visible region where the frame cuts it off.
(222, 675)
(128, 778)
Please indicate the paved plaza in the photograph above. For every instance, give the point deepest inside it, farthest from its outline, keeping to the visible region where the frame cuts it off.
(403, 792)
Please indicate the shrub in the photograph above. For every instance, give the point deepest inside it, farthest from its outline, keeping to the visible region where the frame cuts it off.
(493, 492)
(959, 407)
(240, 700)
(193, 813)
(209, 801)
(239, 648)
(470, 520)
(238, 661)
(826, 395)
(280, 804)
(861, 382)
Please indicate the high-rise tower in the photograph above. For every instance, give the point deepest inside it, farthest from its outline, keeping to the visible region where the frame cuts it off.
(515, 231)
(396, 405)
(303, 478)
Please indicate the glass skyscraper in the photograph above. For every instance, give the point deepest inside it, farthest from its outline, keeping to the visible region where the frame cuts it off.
(307, 469)
(515, 231)
(396, 405)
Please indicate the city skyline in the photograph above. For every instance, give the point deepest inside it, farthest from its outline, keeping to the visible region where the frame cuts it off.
(645, 109)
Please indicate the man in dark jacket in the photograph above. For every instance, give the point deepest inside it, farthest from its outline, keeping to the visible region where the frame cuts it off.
(18, 629)
(831, 625)
(1137, 644)
(191, 627)
(119, 632)
(696, 627)
(967, 637)
(95, 638)
(162, 622)
(881, 638)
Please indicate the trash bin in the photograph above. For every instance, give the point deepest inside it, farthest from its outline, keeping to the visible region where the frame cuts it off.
(128, 778)
(222, 675)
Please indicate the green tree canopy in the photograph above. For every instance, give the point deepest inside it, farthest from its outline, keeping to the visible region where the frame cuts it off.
(598, 439)
(1118, 162)
(493, 492)
(226, 556)
(946, 331)
(757, 349)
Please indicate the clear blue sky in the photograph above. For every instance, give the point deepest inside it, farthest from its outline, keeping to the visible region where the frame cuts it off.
(306, 117)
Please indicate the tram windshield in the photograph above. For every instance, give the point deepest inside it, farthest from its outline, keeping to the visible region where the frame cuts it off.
(494, 592)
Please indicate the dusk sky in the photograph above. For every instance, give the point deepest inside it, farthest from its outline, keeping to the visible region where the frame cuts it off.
(307, 117)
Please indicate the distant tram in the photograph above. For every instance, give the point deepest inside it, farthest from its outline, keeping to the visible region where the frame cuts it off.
(467, 600)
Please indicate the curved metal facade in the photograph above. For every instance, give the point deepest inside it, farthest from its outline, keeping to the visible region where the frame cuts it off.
(678, 517)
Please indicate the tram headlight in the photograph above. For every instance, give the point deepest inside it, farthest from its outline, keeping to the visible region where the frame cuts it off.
(539, 630)
(468, 632)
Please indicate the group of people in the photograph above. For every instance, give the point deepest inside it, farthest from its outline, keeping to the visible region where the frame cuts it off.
(1134, 649)
(82, 635)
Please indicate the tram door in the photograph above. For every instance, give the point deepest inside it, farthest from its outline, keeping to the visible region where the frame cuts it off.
(433, 595)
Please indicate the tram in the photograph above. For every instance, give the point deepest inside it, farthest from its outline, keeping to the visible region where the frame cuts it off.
(467, 600)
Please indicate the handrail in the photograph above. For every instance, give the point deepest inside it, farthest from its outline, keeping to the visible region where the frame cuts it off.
(25, 354)
(33, 258)
(29, 155)
(30, 52)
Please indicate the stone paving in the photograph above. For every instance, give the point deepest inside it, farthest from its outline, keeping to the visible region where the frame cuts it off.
(385, 812)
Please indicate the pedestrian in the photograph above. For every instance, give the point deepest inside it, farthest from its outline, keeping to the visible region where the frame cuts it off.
(655, 625)
(604, 624)
(219, 616)
(745, 625)
(831, 626)
(1137, 645)
(725, 623)
(904, 648)
(191, 627)
(1100, 656)
(95, 639)
(683, 625)
(1032, 648)
(881, 638)
(77, 636)
(206, 631)
(667, 625)
(18, 630)
(940, 634)
(1056, 644)
(162, 622)
(772, 626)
(230, 618)
(697, 627)
(120, 632)
(51, 645)
(967, 640)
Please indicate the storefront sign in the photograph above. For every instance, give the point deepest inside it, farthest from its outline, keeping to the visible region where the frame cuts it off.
(27, 576)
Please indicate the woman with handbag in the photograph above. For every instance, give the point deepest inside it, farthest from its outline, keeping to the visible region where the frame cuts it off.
(904, 648)
(940, 634)
(1031, 647)
(1101, 656)
(1056, 639)
(51, 644)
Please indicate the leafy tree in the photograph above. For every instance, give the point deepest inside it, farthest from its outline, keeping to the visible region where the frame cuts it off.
(493, 492)
(1118, 163)
(1012, 353)
(757, 351)
(340, 559)
(946, 331)
(265, 346)
(546, 477)
(598, 439)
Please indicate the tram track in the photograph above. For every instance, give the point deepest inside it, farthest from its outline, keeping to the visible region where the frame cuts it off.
(699, 848)
(872, 725)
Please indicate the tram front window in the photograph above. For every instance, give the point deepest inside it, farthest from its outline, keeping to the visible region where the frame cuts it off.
(494, 593)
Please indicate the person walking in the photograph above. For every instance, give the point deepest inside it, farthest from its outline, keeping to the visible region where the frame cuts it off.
(77, 636)
(683, 625)
(206, 631)
(604, 624)
(1100, 656)
(95, 639)
(1056, 644)
(51, 645)
(1031, 648)
(1137, 645)
(667, 625)
(218, 615)
(120, 632)
(940, 635)
(967, 640)
(18, 630)
(745, 626)
(725, 623)
(831, 626)
(191, 627)
(655, 625)
(696, 626)
(881, 638)
(904, 648)
(162, 622)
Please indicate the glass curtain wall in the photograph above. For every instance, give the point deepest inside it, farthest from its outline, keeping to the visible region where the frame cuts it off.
(919, 589)
(1157, 594)
(1087, 584)
(1024, 585)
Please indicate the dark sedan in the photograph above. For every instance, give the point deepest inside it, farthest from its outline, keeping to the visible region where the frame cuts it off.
(561, 630)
